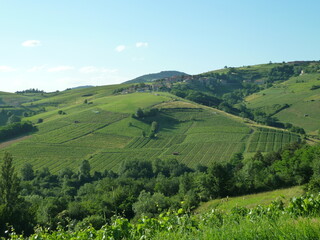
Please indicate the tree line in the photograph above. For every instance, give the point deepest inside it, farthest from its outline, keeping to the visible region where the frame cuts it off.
(16, 129)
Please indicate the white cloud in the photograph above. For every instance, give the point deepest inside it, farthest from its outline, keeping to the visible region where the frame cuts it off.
(7, 69)
(60, 69)
(120, 48)
(31, 43)
(141, 44)
(36, 68)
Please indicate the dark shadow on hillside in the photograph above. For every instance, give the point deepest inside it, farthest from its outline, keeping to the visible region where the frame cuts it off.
(166, 123)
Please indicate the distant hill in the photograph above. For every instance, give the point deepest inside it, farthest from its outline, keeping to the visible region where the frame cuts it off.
(79, 87)
(155, 76)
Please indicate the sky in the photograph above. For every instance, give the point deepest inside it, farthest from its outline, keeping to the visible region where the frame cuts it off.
(57, 44)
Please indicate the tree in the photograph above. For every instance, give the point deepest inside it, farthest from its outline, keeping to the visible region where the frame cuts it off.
(150, 205)
(84, 173)
(13, 210)
(13, 119)
(139, 113)
(9, 183)
(27, 172)
(154, 127)
(220, 180)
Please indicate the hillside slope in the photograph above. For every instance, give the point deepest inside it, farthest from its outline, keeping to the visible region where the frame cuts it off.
(302, 96)
(99, 126)
(155, 76)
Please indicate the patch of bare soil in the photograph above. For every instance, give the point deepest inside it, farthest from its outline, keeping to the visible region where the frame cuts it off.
(12, 141)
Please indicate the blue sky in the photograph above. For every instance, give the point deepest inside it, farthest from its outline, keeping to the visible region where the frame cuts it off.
(54, 45)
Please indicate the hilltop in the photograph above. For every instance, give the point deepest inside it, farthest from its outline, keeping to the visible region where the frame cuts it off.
(156, 76)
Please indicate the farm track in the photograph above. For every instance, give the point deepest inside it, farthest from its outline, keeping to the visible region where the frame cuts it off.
(15, 140)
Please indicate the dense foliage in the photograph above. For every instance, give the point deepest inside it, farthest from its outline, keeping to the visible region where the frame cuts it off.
(15, 129)
(145, 188)
(262, 222)
(31, 90)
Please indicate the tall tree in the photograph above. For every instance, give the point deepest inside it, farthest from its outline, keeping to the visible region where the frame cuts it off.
(27, 172)
(84, 170)
(13, 209)
(9, 183)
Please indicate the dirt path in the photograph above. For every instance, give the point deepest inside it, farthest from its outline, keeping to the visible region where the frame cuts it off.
(15, 140)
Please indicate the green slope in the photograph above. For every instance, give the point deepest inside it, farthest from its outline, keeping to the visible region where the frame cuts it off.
(97, 124)
(155, 76)
(304, 110)
(12, 103)
(14, 100)
(103, 131)
(251, 200)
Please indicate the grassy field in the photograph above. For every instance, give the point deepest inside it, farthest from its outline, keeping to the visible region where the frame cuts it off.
(251, 200)
(304, 110)
(11, 99)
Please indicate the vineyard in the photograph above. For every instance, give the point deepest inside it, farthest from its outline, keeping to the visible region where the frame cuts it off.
(267, 140)
(105, 133)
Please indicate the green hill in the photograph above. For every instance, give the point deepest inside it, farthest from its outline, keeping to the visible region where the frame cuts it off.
(272, 94)
(97, 125)
(12, 104)
(156, 76)
(14, 100)
(301, 95)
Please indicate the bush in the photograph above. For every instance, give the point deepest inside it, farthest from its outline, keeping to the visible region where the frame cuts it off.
(16, 129)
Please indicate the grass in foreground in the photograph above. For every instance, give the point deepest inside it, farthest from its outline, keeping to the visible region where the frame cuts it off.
(251, 200)
(300, 220)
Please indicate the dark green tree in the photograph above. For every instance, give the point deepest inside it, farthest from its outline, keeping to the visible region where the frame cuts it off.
(27, 172)
(154, 126)
(139, 113)
(84, 171)
(13, 209)
(13, 119)
(9, 183)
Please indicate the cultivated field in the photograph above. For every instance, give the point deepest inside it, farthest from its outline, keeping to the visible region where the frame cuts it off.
(304, 110)
(103, 131)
